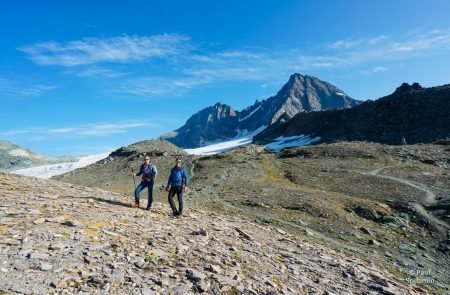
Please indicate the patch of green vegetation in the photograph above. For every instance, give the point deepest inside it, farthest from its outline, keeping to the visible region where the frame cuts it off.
(151, 259)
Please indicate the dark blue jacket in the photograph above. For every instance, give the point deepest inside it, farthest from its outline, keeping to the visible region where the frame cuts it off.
(148, 172)
(176, 177)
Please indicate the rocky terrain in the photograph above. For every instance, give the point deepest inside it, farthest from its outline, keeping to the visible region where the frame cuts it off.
(388, 205)
(14, 157)
(220, 122)
(71, 239)
(411, 114)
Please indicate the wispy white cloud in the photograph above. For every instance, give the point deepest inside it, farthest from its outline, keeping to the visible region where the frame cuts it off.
(81, 131)
(99, 50)
(109, 129)
(15, 132)
(346, 44)
(435, 39)
(263, 65)
(155, 86)
(377, 40)
(373, 70)
(273, 83)
(379, 69)
(60, 130)
(13, 89)
(100, 72)
(185, 66)
(387, 47)
(35, 90)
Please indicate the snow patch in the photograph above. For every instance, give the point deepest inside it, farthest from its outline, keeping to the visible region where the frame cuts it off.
(290, 141)
(249, 115)
(244, 137)
(340, 93)
(47, 171)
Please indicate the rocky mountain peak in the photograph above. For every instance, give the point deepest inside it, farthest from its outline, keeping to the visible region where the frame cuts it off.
(295, 84)
(304, 93)
(222, 111)
(298, 78)
(301, 93)
(406, 88)
(299, 83)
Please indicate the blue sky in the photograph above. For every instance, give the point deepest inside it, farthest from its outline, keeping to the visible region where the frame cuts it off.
(83, 77)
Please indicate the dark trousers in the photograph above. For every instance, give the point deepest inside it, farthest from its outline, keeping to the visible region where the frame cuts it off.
(179, 192)
(140, 187)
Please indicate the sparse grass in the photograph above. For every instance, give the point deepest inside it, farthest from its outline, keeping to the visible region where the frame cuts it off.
(151, 258)
(91, 232)
(123, 239)
(99, 224)
(95, 239)
(278, 259)
(273, 174)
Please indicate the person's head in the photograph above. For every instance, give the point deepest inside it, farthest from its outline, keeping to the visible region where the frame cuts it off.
(178, 162)
(147, 159)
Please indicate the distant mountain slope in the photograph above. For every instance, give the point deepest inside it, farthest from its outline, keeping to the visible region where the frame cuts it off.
(221, 122)
(414, 113)
(13, 157)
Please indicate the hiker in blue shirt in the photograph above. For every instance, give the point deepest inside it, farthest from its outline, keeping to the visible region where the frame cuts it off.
(178, 179)
(148, 171)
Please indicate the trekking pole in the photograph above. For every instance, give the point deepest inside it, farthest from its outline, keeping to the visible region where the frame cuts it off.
(134, 179)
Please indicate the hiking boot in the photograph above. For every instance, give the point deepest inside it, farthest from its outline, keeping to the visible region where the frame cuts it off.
(136, 205)
(148, 209)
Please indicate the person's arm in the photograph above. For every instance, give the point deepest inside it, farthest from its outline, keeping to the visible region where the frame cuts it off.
(168, 181)
(141, 170)
(155, 171)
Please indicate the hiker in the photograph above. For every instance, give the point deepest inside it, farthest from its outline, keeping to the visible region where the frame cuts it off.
(148, 171)
(178, 179)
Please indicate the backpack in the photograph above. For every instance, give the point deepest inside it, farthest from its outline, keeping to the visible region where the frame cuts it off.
(152, 174)
(182, 178)
(180, 169)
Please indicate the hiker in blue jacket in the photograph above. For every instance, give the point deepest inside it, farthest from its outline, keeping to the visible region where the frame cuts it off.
(148, 171)
(178, 179)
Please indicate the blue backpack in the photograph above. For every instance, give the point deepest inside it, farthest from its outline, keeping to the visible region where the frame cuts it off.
(179, 179)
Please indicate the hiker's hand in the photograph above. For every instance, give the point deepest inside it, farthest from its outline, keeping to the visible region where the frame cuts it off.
(133, 174)
(186, 189)
(167, 188)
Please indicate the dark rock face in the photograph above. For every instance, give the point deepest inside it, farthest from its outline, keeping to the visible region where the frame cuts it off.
(411, 114)
(220, 122)
(212, 123)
